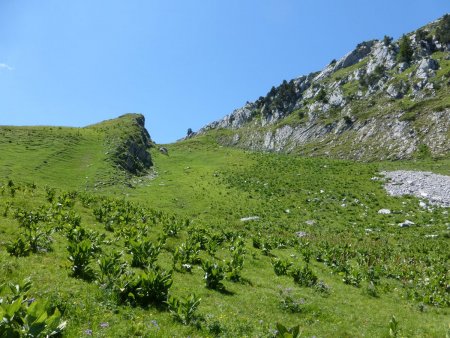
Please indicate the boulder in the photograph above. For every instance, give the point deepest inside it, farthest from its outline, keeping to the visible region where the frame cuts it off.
(163, 150)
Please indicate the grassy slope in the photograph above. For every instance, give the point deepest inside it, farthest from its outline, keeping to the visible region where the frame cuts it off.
(71, 157)
(214, 187)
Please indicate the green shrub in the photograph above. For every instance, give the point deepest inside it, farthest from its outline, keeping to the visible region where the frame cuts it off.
(304, 276)
(443, 30)
(80, 255)
(281, 266)
(18, 247)
(145, 288)
(183, 310)
(111, 268)
(144, 253)
(214, 274)
(236, 264)
(284, 332)
(22, 316)
(321, 96)
(186, 254)
(405, 52)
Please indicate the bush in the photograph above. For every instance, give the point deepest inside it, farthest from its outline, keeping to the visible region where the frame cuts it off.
(183, 310)
(150, 287)
(144, 253)
(80, 255)
(283, 331)
(187, 253)
(22, 316)
(281, 266)
(321, 96)
(304, 276)
(236, 264)
(387, 40)
(443, 30)
(111, 268)
(214, 274)
(405, 52)
(19, 247)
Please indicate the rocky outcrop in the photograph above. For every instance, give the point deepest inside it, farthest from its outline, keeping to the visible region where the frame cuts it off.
(132, 154)
(367, 105)
(128, 142)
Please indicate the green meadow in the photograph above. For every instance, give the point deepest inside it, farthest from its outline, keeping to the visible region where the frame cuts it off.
(211, 242)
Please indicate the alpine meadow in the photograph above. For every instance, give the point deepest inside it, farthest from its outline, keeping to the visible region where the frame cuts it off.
(297, 215)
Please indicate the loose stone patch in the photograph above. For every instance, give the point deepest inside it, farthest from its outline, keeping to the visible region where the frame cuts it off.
(422, 184)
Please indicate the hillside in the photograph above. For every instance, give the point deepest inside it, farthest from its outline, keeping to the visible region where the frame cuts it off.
(316, 251)
(103, 235)
(82, 158)
(384, 100)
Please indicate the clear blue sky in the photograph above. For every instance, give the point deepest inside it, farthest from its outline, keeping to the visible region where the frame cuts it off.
(180, 63)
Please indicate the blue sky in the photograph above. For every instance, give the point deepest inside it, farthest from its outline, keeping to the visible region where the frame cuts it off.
(180, 63)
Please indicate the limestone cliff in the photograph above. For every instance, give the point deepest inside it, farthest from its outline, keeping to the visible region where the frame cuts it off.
(385, 99)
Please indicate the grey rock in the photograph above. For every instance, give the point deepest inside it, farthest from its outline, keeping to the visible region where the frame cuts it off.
(337, 98)
(164, 150)
(397, 90)
(426, 68)
(384, 211)
(361, 51)
(407, 223)
(301, 234)
(425, 185)
(381, 55)
(402, 66)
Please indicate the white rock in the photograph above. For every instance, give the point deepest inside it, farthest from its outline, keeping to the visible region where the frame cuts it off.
(251, 218)
(384, 211)
(406, 224)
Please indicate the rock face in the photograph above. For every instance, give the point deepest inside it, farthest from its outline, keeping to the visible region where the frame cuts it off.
(128, 142)
(365, 106)
(133, 154)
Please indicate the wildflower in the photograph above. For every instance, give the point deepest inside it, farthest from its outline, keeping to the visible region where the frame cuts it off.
(88, 332)
(104, 324)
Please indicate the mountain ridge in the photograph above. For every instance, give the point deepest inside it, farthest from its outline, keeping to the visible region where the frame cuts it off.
(384, 100)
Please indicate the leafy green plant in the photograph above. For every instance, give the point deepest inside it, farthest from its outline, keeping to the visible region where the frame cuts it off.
(322, 288)
(214, 274)
(80, 255)
(77, 234)
(18, 247)
(281, 266)
(394, 330)
(235, 265)
(186, 254)
(183, 310)
(144, 252)
(22, 316)
(303, 276)
(111, 268)
(352, 275)
(50, 194)
(284, 332)
(145, 288)
(305, 250)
